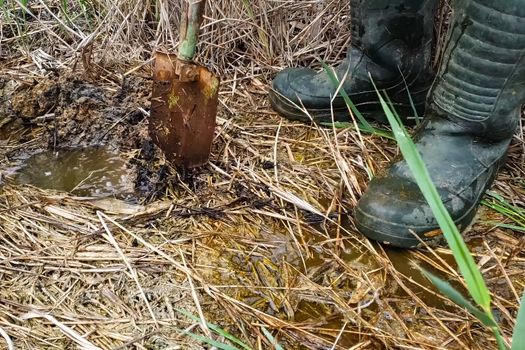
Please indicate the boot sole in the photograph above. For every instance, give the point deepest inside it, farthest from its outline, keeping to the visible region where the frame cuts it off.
(371, 111)
(289, 111)
(463, 223)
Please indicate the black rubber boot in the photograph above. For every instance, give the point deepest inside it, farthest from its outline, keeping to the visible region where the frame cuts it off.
(391, 39)
(473, 111)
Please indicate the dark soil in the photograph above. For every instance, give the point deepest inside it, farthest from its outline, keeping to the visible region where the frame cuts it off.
(73, 112)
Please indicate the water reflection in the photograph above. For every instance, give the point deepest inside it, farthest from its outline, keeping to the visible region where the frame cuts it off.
(82, 172)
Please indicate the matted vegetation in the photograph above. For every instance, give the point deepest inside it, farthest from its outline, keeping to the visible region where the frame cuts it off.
(262, 238)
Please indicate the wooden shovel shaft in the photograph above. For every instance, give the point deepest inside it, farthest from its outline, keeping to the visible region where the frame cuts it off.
(191, 20)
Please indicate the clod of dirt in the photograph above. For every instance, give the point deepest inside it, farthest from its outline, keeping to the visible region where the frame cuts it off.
(38, 100)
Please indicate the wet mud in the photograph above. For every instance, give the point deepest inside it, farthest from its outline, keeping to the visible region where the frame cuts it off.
(77, 125)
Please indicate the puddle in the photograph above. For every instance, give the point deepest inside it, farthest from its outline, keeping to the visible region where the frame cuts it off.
(405, 262)
(280, 268)
(89, 172)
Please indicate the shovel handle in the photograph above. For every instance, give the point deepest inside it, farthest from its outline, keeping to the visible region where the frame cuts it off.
(191, 20)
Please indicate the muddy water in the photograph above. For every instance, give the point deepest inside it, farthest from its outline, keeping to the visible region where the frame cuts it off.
(82, 172)
(321, 268)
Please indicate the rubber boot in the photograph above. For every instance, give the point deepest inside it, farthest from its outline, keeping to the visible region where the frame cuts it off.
(392, 40)
(473, 111)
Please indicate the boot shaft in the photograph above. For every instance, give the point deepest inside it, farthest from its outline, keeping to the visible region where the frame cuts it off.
(481, 80)
(398, 32)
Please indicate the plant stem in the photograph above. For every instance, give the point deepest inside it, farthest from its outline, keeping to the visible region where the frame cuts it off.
(192, 16)
(499, 338)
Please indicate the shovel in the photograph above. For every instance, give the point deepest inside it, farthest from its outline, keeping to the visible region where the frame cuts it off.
(184, 98)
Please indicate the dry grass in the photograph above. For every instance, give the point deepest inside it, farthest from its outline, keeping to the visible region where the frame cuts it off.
(241, 40)
(264, 236)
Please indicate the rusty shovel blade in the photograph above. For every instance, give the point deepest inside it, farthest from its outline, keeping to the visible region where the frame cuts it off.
(183, 110)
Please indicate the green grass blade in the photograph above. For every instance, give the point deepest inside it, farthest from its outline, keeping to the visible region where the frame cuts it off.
(338, 125)
(364, 125)
(64, 6)
(394, 112)
(272, 340)
(418, 120)
(344, 125)
(518, 337)
(502, 206)
(509, 226)
(210, 341)
(335, 81)
(262, 35)
(467, 266)
(24, 8)
(216, 329)
(446, 289)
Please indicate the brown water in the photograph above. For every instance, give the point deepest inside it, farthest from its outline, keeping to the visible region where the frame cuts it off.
(321, 268)
(82, 172)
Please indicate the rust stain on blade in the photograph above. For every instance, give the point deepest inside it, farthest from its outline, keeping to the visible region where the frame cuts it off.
(183, 113)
